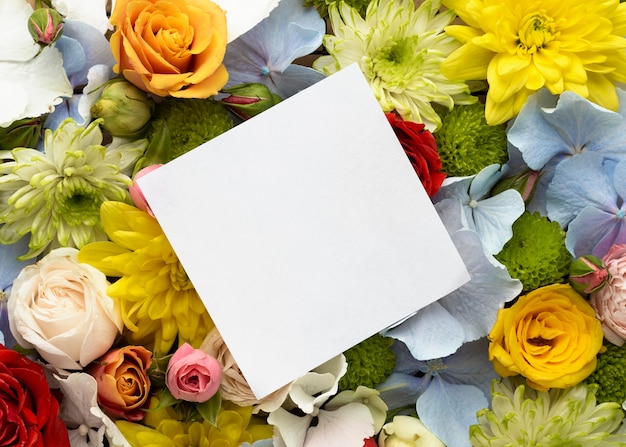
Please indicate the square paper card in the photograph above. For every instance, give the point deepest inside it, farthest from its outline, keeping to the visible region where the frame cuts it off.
(305, 230)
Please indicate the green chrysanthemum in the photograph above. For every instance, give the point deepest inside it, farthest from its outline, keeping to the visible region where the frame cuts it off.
(466, 143)
(369, 363)
(56, 195)
(610, 374)
(187, 123)
(522, 417)
(399, 50)
(322, 6)
(536, 254)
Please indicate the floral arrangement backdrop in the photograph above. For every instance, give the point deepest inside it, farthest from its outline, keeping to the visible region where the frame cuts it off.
(513, 116)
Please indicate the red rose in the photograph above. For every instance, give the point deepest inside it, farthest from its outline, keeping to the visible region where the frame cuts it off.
(419, 145)
(29, 415)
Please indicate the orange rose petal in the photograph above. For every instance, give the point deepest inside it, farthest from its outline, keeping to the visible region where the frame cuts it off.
(169, 82)
(209, 87)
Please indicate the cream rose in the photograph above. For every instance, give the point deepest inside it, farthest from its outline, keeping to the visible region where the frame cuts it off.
(234, 386)
(60, 307)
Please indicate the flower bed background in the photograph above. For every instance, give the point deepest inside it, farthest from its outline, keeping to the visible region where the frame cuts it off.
(512, 116)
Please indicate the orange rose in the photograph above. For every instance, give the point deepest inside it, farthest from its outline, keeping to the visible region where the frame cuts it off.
(123, 382)
(170, 47)
(551, 336)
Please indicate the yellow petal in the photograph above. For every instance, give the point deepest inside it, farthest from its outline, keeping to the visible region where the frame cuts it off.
(468, 62)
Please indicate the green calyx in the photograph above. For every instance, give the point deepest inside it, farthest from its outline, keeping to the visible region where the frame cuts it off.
(536, 254)
(466, 143)
(369, 363)
(322, 6)
(180, 125)
(610, 374)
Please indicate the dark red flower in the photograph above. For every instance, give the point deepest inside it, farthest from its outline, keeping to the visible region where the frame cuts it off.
(370, 442)
(419, 145)
(29, 414)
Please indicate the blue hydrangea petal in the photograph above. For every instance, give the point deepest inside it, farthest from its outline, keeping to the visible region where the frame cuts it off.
(585, 180)
(584, 124)
(494, 217)
(402, 390)
(532, 135)
(451, 213)
(405, 362)
(449, 409)
(431, 333)
(455, 188)
(10, 267)
(289, 32)
(294, 79)
(474, 305)
(470, 365)
(593, 231)
(619, 176)
(83, 46)
(482, 183)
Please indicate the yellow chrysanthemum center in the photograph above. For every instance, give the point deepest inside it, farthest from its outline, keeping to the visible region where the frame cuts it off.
(397, 63)
(537, 30)
(521, 47)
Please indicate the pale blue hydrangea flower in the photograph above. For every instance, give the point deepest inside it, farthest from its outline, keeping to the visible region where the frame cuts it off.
(469, 312)
(550, 129)
(588, 196)
(491, 217)
(446, 392)
(266, 52)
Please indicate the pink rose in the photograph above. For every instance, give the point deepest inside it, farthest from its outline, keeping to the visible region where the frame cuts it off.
(193, 375)
(610, 301)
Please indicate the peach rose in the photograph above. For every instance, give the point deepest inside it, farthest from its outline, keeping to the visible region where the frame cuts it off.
(123, 382)
(551, 336)
(610, 301)
(170, 47)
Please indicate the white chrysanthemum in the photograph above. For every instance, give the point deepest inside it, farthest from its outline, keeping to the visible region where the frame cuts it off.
(521, 416)
(399, 49)
(56, 195)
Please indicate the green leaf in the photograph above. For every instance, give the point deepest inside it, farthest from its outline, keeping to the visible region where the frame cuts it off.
(166, 400)
(210, 409)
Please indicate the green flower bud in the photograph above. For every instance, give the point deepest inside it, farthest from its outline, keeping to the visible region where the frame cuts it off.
(525, 183)
(45, 25)
(21, 133)
(248, 100)
(124, 108)
(587, 274)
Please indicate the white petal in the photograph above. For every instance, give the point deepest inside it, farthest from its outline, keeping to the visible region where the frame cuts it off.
(92, 12)
(347, 426)
(42, 79)
(17, 43)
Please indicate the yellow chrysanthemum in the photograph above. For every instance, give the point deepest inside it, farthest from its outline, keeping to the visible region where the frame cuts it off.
(520, 47)
(399, 50)
(235, 425)
(157, 299)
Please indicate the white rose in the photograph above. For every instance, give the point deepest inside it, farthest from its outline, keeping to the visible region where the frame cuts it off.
(60, 307)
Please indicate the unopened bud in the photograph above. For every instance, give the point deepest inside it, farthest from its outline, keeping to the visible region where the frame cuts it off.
(124, 108)
(588, 274)
(525, 183)
(45, 25)
(248, 100)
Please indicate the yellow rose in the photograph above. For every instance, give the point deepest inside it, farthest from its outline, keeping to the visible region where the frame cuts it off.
(551, 336)
(170, 47)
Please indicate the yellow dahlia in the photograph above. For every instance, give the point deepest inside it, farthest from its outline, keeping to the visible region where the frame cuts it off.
(399, 50)
(520, 47)
(157, 299)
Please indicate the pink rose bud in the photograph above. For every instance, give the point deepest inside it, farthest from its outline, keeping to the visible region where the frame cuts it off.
(135, 191)
(588, 274)
(525, 183)
(45, 25)
(193, 375)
